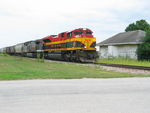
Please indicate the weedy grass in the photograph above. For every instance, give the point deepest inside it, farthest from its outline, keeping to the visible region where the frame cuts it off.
(3, 54)
(125, 61)
(19, 68)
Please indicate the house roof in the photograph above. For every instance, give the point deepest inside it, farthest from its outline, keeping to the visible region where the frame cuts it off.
(131, 37)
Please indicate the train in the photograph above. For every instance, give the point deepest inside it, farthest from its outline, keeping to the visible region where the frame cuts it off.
(78, 45)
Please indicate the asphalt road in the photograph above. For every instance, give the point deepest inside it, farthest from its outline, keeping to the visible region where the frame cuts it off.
(124, 95)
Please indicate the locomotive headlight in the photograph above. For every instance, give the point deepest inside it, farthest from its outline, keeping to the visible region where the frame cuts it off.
(84, 46)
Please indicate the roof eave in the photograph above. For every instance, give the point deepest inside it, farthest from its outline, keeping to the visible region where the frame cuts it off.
(111, 44)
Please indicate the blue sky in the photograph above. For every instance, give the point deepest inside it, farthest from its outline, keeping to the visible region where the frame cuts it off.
(24, 20)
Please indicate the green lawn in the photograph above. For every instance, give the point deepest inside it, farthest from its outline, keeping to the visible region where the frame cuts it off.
(125, 61)
(15, 68)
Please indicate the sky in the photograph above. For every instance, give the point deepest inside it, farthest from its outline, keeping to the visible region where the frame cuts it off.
(25, 20)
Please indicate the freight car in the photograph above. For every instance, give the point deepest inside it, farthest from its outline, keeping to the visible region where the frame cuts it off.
(4, 50)
(18, 49)
(1, 50)
(76, 45)
(31, 48)
(12, 50)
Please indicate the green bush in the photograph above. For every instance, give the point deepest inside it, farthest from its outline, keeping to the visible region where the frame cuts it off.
(143, 50)
(147, 37)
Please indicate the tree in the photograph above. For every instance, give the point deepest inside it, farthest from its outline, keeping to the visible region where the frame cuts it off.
(139, 25)
(131, 27)
(143, 50)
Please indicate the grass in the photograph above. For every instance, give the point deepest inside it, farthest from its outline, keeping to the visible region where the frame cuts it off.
(17, 68)
(125, 61)
(1, 54)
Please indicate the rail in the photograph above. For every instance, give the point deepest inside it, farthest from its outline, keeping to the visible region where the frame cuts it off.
(124, 66)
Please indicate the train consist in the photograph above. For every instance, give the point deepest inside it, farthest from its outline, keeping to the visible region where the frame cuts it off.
(77, 45)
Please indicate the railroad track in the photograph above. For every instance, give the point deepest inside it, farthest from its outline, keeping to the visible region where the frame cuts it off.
(116, 65)
(124, 66)
(108, 65)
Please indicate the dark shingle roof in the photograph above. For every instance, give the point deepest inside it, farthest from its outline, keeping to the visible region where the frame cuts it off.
(132, 37)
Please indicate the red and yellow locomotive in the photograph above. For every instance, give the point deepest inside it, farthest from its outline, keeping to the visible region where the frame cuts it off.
(76, 45)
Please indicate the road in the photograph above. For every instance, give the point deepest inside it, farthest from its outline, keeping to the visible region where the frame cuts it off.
(121, 95)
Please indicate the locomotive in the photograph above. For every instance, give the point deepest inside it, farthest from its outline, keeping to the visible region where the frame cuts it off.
(77, 45)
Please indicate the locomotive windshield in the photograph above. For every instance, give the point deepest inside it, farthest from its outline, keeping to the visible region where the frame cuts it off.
(78, 33)
(46, 40)
(88, 33)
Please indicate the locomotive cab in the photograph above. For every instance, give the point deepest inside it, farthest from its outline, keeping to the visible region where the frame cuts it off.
(82, 33)
(63, 36)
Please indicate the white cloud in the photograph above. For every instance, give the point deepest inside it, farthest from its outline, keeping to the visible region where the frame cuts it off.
(22, 20)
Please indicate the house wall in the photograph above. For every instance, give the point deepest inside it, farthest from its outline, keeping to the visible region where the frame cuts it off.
(112, 51)
(127, 51)
(118, 51)
(103, 51)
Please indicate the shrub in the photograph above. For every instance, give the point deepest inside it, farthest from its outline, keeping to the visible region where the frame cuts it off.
(143, 50)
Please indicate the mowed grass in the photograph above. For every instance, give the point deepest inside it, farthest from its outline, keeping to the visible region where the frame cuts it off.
(17, 68)
(125, 61)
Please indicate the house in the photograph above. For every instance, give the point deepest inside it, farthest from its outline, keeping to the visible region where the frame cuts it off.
(121, 45)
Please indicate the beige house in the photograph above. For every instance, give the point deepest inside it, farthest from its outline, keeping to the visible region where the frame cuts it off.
(121, 45)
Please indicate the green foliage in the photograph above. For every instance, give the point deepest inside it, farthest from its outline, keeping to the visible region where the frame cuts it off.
(139, 25)
(143, 50)
(3, 54)
(147, 37)
(142, 25)
(131, 27)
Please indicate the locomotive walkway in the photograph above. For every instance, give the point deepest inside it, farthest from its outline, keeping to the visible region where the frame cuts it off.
(121, 95)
